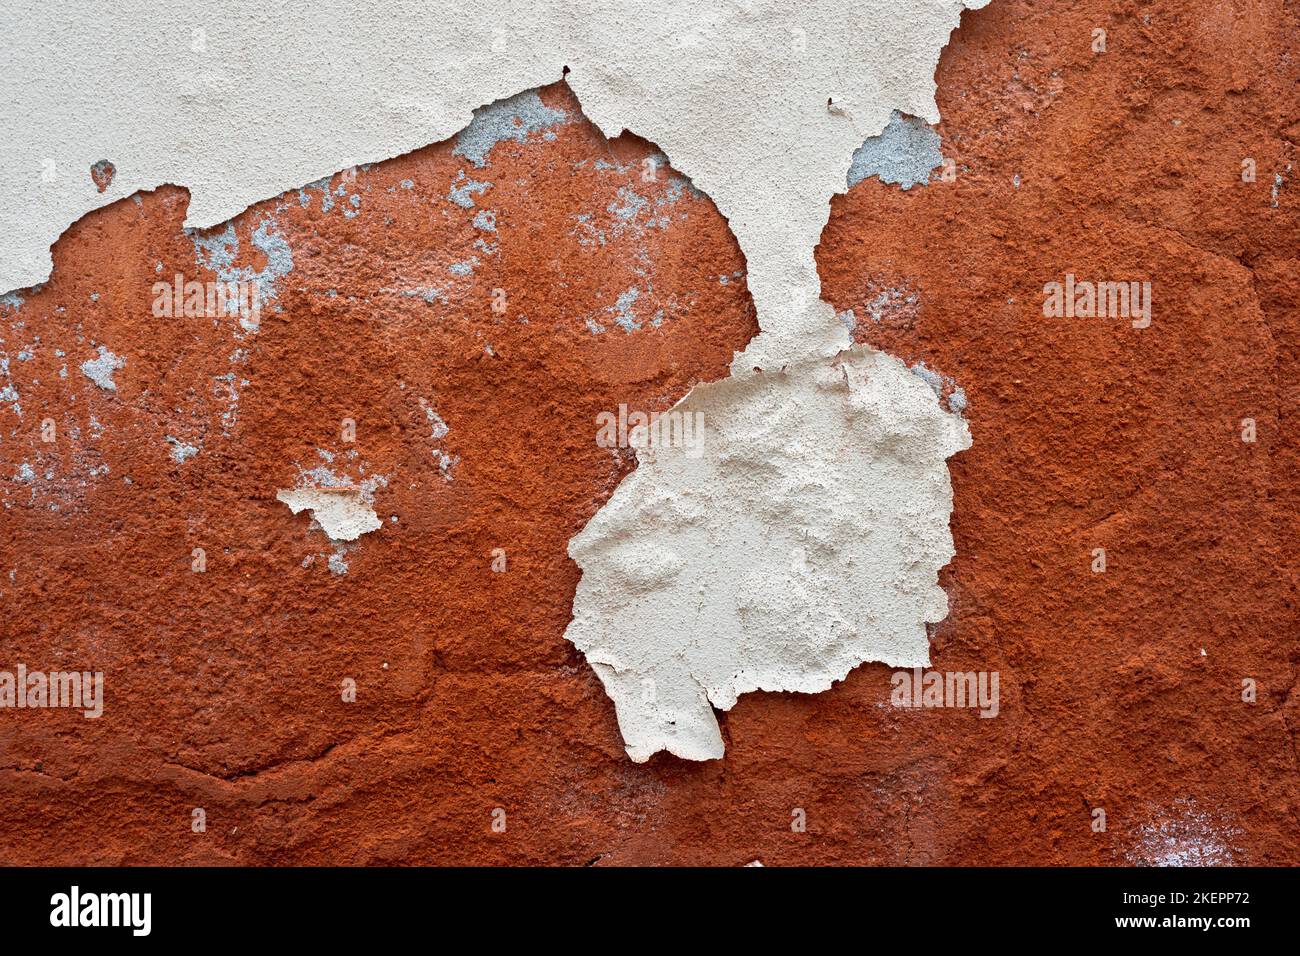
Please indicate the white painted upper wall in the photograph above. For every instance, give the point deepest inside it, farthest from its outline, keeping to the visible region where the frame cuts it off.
(240, 101)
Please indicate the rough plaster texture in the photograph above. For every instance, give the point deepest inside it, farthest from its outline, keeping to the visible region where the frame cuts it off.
(1120, 690)
(750, 100)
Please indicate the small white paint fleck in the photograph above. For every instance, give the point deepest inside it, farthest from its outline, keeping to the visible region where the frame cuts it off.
(100, 370)
(181, 452)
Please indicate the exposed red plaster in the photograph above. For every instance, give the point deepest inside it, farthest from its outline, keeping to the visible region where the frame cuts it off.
(223, 687)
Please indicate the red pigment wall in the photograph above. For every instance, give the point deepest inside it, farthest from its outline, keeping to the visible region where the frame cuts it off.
(1120, 690)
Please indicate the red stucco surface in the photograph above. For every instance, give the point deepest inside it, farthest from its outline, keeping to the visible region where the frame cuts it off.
(1120, 690)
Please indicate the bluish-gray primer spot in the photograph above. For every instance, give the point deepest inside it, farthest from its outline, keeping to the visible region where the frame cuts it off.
(181, 452)
(429, 294)
(633, 203)
(100, 370)
(930, 377)
(938, 382)
(590, 234)
(463, 189)
(25, 473)
(847, 319)
(511, 118)
(904, 153)
(337, 564)
(622, 310)
(407, 184)
(218, 251)
(463, 268)
(323, 185)
(9, 394)
(13, 300)
(486, 220)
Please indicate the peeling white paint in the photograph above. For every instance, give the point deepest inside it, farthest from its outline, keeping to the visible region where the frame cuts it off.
(735, 94)
(738, 95)
(342, 513)
(806, 539)
(344, 509)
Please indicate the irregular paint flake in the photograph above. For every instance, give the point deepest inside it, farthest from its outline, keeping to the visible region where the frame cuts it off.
(180, 451)
(342, 513)
(512, 118)
(802, 536)
(905, 153)
(100, 370)
(344, 509)
(463, 190)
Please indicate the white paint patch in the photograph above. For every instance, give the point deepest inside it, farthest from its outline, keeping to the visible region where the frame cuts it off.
(100, 370)
(804, 540)
(345, 510)
(342, 514)
(736, 94)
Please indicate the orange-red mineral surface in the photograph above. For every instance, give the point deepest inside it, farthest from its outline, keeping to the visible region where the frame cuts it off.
(440, 337)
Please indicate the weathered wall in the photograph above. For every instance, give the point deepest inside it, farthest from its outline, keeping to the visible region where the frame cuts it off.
(1120, 690)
